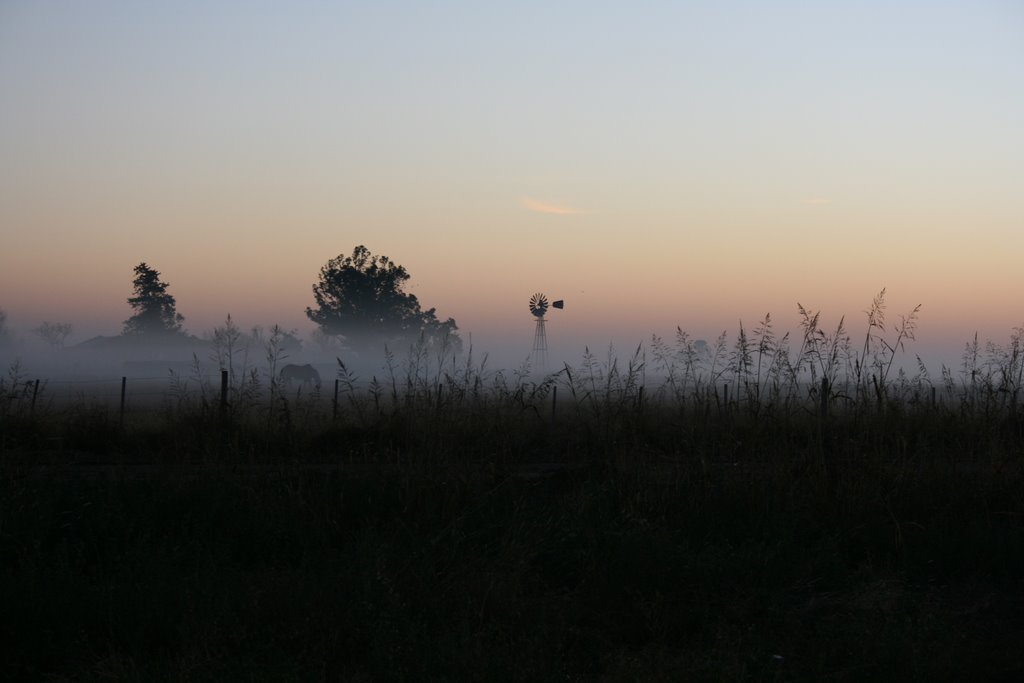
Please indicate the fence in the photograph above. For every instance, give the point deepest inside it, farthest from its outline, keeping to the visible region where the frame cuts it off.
(598, 393)
(125, 392)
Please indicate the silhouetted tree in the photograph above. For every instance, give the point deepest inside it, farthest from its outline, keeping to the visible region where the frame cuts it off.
(155, 313)
(5, 334)
(54, 334)
(361, 298)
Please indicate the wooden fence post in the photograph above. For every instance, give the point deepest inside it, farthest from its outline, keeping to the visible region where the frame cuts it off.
(120, 414)
(334, 408)
(223, 392)
(35, 392)
(554, 402)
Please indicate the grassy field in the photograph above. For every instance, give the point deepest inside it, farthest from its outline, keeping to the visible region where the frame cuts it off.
(780, 520)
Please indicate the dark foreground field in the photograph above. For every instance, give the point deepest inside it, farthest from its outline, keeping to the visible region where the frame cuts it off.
(673, 544)
(756, 515)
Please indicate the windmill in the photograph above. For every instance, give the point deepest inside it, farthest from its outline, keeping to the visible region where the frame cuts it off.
(538, 307)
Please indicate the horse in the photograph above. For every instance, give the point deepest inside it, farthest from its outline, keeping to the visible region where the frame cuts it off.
(305, 374)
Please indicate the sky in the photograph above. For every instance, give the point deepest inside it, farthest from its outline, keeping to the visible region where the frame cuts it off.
(654, 164)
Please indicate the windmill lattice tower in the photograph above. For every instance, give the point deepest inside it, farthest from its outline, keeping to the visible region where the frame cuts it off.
(539, 354)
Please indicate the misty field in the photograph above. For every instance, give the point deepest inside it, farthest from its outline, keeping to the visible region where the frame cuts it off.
(737, 512)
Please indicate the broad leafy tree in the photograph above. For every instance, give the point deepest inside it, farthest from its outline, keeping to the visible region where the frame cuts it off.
(155, 312)
(362, 299)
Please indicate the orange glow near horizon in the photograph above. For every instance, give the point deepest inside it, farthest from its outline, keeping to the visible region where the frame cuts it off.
(617, 286)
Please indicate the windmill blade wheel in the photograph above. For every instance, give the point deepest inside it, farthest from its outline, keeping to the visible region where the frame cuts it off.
(538, 304)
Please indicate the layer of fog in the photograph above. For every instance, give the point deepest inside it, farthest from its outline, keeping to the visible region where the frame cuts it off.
(72, 367)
